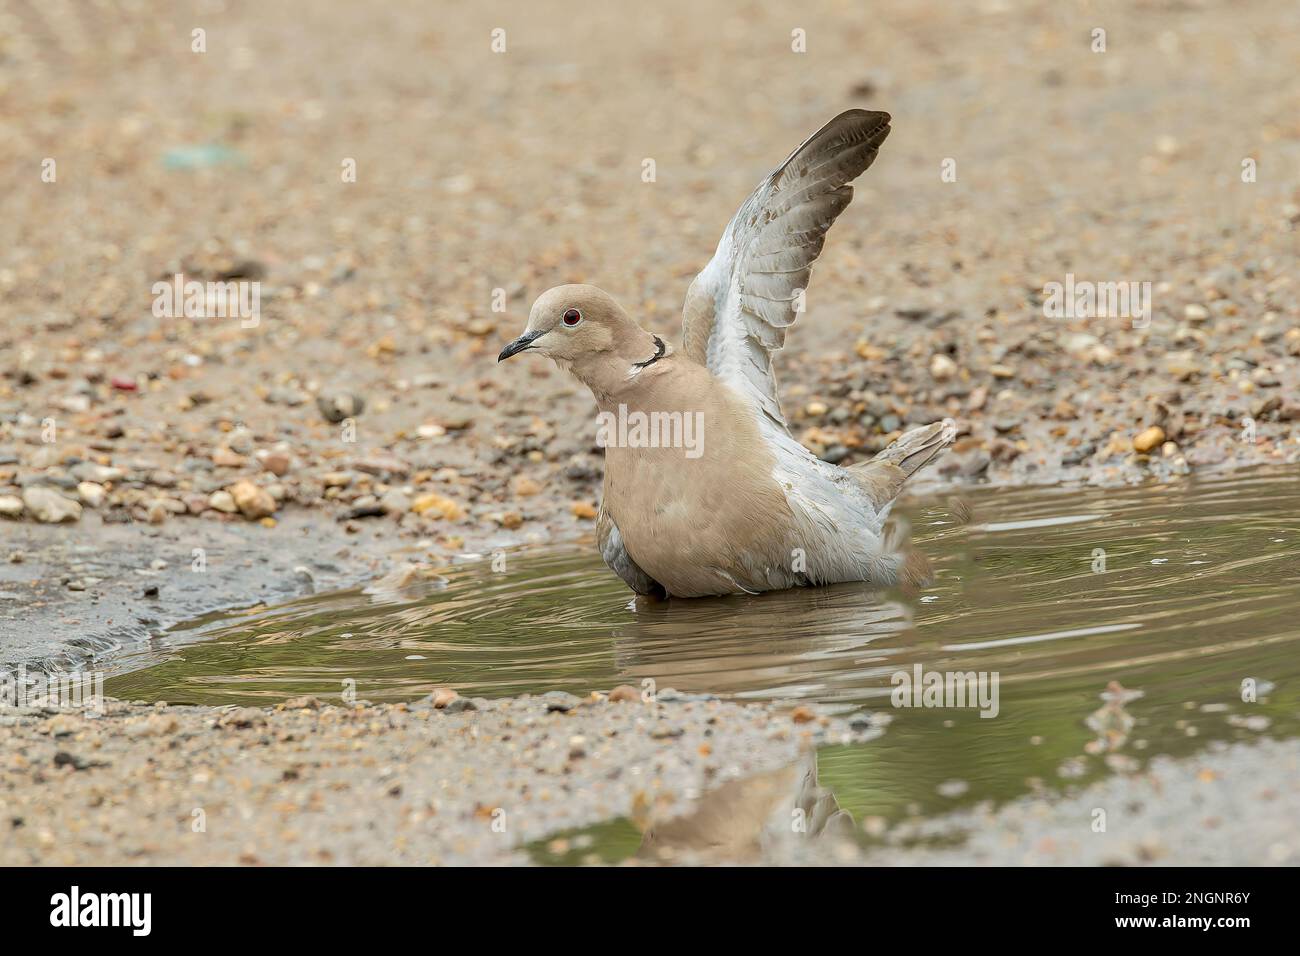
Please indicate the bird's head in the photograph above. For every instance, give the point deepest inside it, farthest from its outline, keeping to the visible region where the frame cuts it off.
(584, 330)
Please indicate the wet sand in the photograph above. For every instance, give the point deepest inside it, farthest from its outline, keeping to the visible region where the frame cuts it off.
(312, 783)
(710, 782)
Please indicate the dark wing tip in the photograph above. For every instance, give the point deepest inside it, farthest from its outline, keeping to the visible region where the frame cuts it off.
(874, 117)
(848, 130)
(861, 125)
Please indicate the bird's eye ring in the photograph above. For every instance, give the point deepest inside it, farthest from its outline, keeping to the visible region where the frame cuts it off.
(572, 318)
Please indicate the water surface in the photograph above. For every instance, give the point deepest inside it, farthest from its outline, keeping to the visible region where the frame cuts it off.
(1176, 593)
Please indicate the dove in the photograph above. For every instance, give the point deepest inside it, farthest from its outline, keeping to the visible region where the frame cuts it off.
(706, 492)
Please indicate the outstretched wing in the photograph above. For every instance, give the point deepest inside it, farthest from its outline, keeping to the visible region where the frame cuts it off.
(738, 308)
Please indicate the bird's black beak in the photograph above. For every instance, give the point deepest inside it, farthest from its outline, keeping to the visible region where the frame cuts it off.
(524, 341)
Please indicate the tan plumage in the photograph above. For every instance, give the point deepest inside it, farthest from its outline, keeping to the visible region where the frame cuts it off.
(749, 509)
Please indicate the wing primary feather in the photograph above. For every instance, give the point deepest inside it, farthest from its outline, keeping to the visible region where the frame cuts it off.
(739, 306)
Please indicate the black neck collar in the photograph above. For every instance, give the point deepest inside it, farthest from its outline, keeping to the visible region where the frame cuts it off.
(660, 348)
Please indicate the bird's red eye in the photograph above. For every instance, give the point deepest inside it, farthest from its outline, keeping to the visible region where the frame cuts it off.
(572, 317)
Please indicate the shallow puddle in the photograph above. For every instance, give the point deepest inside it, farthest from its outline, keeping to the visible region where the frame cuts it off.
(1177, 593)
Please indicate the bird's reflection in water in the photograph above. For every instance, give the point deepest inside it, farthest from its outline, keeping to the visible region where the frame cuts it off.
(742, 820)
(756, 645)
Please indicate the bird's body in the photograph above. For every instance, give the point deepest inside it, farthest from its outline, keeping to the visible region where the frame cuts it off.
(705, 490)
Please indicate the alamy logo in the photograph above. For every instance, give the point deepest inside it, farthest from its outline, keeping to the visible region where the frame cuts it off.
(922, 688)
(208, 300)
(103, 909)
(638, 429)
(75, 690)
(1081, 299)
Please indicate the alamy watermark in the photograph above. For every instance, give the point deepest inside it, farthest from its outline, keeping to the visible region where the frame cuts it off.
(935, 689)
(68, 690)
(637, 429)
(1082, 299)
(133, 911)
(193, 299)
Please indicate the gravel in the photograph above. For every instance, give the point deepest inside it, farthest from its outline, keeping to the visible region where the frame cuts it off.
(313, 783)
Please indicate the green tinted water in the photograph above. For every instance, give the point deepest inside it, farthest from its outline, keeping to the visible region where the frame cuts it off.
(1178, 592)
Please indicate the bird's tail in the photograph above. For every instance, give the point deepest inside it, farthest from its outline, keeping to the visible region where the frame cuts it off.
(917, 448)
(883, 477)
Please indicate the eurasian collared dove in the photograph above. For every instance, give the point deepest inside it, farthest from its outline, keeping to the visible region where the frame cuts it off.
(706, 492)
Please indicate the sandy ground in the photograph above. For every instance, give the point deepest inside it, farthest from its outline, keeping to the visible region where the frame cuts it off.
(704, 781)
(316, 784)
(479, 171)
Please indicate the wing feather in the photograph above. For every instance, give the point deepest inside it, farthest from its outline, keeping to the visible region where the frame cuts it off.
(739, 307)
